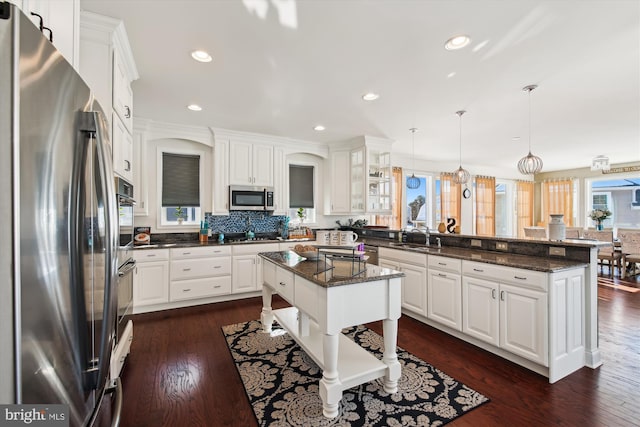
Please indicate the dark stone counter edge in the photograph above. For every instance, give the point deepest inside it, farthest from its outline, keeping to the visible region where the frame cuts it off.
(307, 270)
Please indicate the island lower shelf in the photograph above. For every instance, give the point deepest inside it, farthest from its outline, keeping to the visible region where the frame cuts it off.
(355, 364)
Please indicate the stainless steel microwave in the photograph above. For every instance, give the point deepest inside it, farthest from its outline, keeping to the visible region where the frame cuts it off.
(243, 198)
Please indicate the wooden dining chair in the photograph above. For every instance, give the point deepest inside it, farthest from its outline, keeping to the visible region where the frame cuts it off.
(573, 232)
(537, 232)
(607, 253)
(630, 247)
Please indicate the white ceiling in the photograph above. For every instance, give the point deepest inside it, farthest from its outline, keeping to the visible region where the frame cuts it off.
(309, 62)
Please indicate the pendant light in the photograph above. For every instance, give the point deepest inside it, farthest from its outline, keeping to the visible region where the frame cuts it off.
(413, 182)
(460, 175)
(530, 164)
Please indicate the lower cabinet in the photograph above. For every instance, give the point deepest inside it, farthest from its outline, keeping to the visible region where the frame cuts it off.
(514, 318)
(200, 272)
(444, 291)
(151, 277)
(414, 283)
(247, 266)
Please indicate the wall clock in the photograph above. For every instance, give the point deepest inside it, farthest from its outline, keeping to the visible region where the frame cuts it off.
(466, 193)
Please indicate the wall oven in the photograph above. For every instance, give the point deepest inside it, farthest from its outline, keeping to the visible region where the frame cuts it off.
(242, 198)
(126, 263)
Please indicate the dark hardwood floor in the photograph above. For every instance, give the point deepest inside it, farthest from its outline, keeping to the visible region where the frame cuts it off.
(180, 372)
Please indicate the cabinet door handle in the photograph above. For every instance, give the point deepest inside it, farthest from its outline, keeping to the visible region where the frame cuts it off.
(127, 112)
(217, 266)
(442, 263)
(283, 284)
(186, 269)
(217, 286)
(186, 290)
(493, 293)
(127, 166)
(502, 295)
(442, 275)
(519, 278)
(478, 270)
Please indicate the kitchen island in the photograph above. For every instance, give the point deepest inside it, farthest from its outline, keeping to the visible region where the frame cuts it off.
(324, 301)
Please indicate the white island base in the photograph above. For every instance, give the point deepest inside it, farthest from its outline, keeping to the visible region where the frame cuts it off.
(315, 323)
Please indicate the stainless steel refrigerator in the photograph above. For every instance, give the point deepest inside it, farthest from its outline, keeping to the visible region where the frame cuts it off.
(58, 228)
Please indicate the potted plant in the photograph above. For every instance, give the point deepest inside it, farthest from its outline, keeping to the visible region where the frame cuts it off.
(301, 215)
(180, 214)
(599, 215)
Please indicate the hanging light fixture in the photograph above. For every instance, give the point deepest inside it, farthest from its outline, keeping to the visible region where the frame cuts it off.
(460, 175)
(530, 164)
(413, 182)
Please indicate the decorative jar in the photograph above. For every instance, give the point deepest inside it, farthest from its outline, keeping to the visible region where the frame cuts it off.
(557, 228)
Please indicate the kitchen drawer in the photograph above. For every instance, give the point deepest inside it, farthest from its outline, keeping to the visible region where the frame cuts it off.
(144, 255)
(254, 248)
(200, 267)
(444, 263)
(406, 257)
(516, 276)
(284, 284)
(199, 288)
(200, 252)
(121, 351)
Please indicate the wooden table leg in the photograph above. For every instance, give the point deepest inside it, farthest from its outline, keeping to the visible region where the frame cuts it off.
(330, 385)
(266, 316)
(390, 357)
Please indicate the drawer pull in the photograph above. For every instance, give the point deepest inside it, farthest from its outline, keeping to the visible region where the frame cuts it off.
(217, 286)
(150, 255)
(442, 275)
(186, 269)
(493, 293)
(186, 253)
(283, 284)
(519, 278)
(478, 270)
(217, 266)
(216, 252)
(186, 290)
(442, 263)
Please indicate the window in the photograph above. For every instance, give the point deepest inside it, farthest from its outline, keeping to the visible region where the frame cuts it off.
(418, 208)
(448, 196)
(180, 185)
(485, 205)
(603, 201)
(301, 193)
(558, 197)
(635, 199)
(524, 206)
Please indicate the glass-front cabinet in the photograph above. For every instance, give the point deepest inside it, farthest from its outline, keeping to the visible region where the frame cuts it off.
(357, 180)
(378, 180)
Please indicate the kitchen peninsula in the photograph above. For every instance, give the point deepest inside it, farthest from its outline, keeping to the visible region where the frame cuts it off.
(322, 305)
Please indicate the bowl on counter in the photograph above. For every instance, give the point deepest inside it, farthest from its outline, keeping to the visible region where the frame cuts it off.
(309, 252)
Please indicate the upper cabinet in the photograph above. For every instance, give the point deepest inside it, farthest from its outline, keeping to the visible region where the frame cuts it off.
(250, 164)
(62, 20)
(108, 67)
(364, 163)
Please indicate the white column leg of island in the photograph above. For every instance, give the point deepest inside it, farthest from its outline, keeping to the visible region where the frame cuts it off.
(330, 385)
(390, 357)
(266, 316)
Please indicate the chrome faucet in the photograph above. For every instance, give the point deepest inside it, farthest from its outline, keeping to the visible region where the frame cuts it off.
(438, 243)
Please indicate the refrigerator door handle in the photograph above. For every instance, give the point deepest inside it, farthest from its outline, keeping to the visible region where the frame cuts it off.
(117, 410)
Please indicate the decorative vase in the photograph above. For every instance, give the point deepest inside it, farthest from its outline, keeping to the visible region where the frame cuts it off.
(442, 228)
(557, 228)
(180, 221)
(599, 225)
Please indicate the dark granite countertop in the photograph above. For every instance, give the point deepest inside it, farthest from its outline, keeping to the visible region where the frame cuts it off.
(322, 274)
(527, 262)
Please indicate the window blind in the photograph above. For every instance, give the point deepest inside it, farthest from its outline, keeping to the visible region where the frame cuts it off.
(301, 186)
(180, 180)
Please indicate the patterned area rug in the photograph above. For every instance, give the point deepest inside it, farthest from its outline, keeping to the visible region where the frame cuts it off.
(282, 384)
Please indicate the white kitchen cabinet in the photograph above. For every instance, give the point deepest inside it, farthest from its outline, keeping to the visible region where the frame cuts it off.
(122, 142)
(199, 272)
(496, 311)
(414, 283)
(357, 180)
(281, 190)
(444, 291)
(151, 278)
(221, 176)
(106, 63)
(247, 266)
(340, 176)
(379, 174)
(250, 164)
(63, 18)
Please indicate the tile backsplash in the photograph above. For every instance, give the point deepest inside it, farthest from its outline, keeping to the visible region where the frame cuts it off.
(240, 221)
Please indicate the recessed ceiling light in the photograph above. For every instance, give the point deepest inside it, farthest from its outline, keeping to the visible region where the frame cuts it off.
(370, 96)
(201, 56)
(319, 128)
(194, 107)
(451, 74)
(457, 42)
